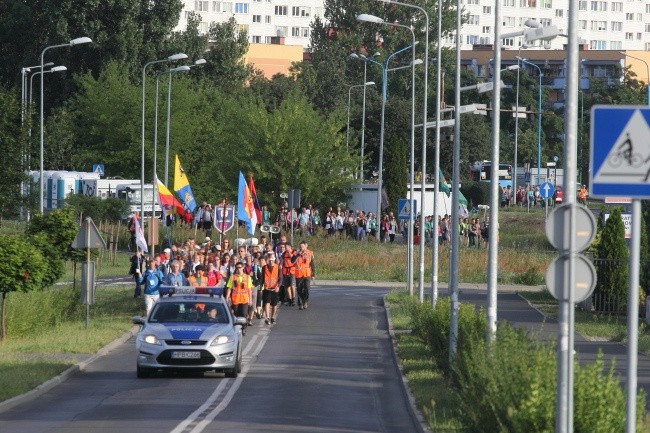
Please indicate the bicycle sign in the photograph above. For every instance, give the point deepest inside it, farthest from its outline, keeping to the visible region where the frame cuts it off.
(620, 151)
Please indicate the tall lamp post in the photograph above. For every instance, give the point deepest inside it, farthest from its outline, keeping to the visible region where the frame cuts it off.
(633, 298)
(198, 62)
(347, 131)
(539, 117)
(377, 20)
(172, 58)
(72, 43)
(363, 109)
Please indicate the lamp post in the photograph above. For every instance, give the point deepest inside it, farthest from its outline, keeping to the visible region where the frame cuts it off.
(347, 131)
(172, 58)
(514, 180)
(363, 109)
(72, 43)
(633, 299)
(539, 117)
(370, 18)
(199, 62)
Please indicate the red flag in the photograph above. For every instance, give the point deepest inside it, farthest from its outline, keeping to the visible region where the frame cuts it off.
(256, 203)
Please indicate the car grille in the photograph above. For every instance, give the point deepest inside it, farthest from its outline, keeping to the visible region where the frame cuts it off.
(180, 343)
(165, 358)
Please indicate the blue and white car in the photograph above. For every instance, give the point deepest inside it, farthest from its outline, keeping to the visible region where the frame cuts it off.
(189, 332)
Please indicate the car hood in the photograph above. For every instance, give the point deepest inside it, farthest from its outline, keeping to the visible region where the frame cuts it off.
(188, 331)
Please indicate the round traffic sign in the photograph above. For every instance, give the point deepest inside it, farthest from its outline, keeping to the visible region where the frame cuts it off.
(557, 278)
(558, 227)
(546, 190)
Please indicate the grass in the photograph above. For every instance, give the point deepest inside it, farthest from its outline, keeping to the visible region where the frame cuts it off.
(431, 390)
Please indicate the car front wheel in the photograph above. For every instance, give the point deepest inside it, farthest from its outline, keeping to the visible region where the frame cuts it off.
(143, 372)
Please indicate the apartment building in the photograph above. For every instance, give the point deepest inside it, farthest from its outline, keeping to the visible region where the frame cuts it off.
(602, 24)
(264, 20)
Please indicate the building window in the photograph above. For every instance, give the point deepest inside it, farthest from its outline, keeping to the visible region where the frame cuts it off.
(638, 36)
(267, 19)
(617, 6)
(203, 28)
(582, 5)
(281, 30)
(629, 17)
(257, 18)
(304, 32)
(598, 6)
(472, 2)
(559, 13)
(510, 3)
(268, 39)
(241, 8)
(639, 17)
(508, 21)
(281, 10)
(617, 26)
(201, 5)
(647, 46)
(547, 4)
(487, 29)
(473, 20)
(647, 8)
(487, 9)
(509, 42)
(647, 27)
(615, 45)
(216, 6)
(582, 24)
(528, 3)
(226, 7)
(597, 45)
(300, 11)
(256, 39)
(545, 22)
(629, 36)
(295, 31)
(242, 28)
(472, 39)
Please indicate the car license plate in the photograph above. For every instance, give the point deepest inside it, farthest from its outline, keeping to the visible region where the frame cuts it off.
(186, 355)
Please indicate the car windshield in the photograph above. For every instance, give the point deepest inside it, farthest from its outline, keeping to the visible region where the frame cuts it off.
(185, 312)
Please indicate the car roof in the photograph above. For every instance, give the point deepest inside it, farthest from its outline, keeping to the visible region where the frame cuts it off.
(192, 298)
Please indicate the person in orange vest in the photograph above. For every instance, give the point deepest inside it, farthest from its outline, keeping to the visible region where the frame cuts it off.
(582, 195)
(288, 260)
(305, 273)
(199, 279)
(239, 292)
(271, 291)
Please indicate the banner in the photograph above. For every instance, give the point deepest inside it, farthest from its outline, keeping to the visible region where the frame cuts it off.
(223, 218)
(245, 206)
(182, 186)
(139, 237)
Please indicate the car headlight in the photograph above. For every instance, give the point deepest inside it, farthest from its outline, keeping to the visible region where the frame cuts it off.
(151, 339)
(223, 339)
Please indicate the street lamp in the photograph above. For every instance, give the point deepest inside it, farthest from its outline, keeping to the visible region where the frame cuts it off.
(539, 117)
(172, 58)
(377, 20)
(31, 79)
(363, 120)
(198, 62)
(347, 131)
(72, 43)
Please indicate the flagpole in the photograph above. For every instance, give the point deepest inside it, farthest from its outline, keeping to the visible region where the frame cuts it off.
(223, 219)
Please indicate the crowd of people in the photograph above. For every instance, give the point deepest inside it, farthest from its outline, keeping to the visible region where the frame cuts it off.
(256, 279)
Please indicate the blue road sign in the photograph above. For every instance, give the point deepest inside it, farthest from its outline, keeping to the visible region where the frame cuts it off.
(98, 168)
(403, 208)
(546, 190)
(620, 151)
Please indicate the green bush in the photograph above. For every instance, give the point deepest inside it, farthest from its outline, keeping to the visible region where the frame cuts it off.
(529, 278)
(476, 193)
(612, 267)
(30, 312)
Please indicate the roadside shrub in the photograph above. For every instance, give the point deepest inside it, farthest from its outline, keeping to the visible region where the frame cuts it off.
(31, 312)
(529, 278)
(476, 193)
(611, 264)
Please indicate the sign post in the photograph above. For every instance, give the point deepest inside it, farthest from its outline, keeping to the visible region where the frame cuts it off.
(620, 167)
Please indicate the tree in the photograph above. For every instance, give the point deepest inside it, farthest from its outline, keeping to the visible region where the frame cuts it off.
(396, 175)
(612, 267)
(22, 269)
(59, 228)
(12, 143)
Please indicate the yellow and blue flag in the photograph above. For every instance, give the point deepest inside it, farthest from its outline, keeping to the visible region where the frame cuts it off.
(182, 186)
(246, 205)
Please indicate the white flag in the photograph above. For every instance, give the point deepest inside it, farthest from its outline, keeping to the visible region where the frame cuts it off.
(140, 241)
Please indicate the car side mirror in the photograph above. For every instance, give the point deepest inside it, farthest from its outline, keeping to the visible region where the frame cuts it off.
(241, 321)
(137, 320)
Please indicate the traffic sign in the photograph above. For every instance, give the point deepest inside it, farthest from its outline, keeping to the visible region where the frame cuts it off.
(99, 169)
(88, 236)
(557, 278)
(557, 227)
(403, 208)
(620, 151)
(546, 190)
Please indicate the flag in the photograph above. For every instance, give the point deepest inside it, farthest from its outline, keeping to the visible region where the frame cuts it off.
(168, 202)
(245, 206)
(182, 186)
(140, 241)
(256, 203)
(442, 183)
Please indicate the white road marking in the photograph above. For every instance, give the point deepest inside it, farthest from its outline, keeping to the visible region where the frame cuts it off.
(198, 420)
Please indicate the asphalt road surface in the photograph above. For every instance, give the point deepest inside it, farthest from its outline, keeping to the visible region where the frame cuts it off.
(326, 369)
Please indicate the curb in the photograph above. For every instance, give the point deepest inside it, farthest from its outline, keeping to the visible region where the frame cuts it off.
(63, 376)
(416, 415)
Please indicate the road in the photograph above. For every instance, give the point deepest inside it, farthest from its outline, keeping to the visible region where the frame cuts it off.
(327, 369)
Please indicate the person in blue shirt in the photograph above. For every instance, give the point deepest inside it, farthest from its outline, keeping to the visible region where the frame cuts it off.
(175, 277)
(152, 279)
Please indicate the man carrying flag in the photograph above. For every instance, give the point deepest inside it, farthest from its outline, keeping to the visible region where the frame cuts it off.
(245, 205)
(182, 186)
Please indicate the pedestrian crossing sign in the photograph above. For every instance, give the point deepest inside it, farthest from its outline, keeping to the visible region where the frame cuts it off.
(620, 151)
(403, 208)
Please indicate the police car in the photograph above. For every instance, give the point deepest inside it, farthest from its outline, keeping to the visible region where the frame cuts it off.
(192, 329)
